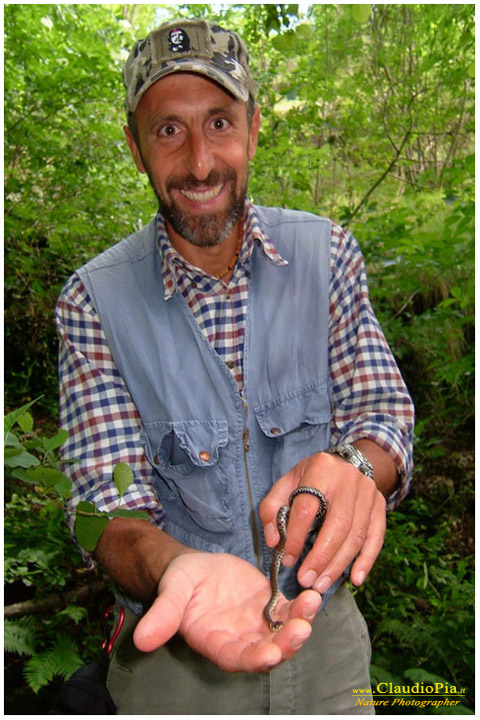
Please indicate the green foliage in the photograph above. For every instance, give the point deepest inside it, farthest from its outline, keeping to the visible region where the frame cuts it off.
(122, 477)
(60, 658)
(19, 636)
(38, 549)
(68, 181)
(33, 459)
(419, 599)
(420, 257)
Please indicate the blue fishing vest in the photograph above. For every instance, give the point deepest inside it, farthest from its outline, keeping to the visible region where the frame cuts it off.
(216, 452)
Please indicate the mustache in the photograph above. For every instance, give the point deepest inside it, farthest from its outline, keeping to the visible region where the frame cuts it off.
(190, 182)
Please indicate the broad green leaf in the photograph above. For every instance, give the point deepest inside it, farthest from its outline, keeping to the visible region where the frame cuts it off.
(304, 32)
(284, 42)
(56, 441)
(89, 527)
(25, 460)
(11, 452)
(11, 418)
(63, 487)
(26, 422)
(51, 478)
(123, 512)
(122, 477)
(12, 441)
(21, 474)
(470, 163)
(46, 476)
(361, 13)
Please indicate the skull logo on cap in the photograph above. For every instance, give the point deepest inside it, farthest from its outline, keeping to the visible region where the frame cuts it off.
(178, 40)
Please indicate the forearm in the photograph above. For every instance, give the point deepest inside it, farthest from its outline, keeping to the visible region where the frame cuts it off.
(384, 469)
(136, 554)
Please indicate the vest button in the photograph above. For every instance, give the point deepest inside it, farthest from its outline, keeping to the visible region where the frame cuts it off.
(204, 455)
(275, 431)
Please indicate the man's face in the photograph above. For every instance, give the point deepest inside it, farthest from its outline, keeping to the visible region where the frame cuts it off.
(195, 143)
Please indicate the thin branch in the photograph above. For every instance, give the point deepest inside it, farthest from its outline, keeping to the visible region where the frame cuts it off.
(383, 175)
(409, 182)
(404, 306)
(59, 600)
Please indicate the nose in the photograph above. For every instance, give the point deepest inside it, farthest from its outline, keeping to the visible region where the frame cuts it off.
(199, 156)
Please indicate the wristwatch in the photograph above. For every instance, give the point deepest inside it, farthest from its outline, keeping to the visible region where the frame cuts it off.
(353, 455)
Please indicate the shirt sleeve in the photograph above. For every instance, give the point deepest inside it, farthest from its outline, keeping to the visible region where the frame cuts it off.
(370, 399)
(97, 411)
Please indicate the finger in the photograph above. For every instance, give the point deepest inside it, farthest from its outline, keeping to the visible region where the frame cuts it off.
(277, 496)
(306, 605)
(297, 616)
(253, 653)
(250, 653)
(322, 472)
(369, 549)
(260, 657)
(372, 528)
(302, 517)
(164, 617)
(373, 543)
(330, 539)
(292, 636)
(340, 539)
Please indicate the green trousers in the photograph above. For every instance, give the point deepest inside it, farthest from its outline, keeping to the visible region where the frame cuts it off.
(319, 680)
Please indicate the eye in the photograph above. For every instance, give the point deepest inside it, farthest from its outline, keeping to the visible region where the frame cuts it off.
(168, 131)
(220, 123)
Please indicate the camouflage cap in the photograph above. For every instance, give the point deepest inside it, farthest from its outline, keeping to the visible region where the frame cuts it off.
(189, 46)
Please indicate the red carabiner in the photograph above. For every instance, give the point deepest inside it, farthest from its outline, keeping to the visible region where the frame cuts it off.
(108, 642)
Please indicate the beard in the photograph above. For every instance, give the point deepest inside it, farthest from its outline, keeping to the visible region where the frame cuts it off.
(206, 229)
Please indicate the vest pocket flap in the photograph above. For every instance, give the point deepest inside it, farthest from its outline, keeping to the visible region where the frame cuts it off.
(202, 440)
(183, 444)
(307, 407)
(192, 481)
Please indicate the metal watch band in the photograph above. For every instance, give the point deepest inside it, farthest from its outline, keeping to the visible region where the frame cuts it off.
(353, 455)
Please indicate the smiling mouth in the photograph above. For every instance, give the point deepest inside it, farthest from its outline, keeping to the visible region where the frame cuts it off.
(203, 196)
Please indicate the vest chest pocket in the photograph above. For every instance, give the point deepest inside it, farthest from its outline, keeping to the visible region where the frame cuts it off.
(298, 424)
(192, 481)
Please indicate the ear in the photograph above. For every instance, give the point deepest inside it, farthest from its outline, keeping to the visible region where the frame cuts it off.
(253, 137)
(134, 149)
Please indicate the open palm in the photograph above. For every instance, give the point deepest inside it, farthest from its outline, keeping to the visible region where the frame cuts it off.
(215, 602)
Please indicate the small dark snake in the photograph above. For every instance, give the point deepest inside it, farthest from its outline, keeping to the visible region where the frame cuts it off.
(282, 519)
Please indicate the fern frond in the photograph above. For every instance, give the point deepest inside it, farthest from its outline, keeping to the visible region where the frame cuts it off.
(67, 655)
(39, 670)
(62, 658)
(19, 635)
(74, 612)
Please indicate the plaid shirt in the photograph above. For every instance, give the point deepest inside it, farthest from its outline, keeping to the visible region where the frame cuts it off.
(368, 393)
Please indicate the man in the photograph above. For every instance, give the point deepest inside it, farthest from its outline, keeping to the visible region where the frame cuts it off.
(220, 351)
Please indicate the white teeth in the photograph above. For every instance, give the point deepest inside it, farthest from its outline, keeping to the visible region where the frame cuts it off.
(203, 196)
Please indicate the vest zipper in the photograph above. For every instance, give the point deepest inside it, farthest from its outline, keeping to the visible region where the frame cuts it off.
(256, 533)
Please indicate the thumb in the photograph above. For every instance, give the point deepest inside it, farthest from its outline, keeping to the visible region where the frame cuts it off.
(164, 617)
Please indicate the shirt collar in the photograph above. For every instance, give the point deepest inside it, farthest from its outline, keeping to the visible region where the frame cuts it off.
(174, 264)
